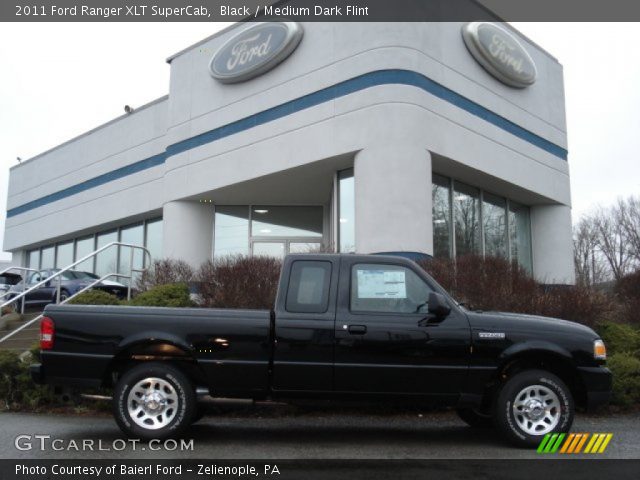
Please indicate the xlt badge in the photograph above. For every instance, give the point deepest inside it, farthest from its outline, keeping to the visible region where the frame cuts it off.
(496, 335)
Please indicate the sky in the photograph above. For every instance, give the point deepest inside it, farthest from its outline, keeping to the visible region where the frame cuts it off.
(59, 80)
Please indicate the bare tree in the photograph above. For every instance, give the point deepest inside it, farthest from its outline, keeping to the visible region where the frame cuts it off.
(589, 264)
(628, 213)
(611, 241)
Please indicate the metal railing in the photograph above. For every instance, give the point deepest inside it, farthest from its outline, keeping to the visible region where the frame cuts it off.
(57, 276)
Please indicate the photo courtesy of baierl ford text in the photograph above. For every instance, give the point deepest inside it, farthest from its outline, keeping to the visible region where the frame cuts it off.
(319, 240)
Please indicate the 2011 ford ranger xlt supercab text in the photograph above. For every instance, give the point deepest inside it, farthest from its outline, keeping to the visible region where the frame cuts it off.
(363, 328)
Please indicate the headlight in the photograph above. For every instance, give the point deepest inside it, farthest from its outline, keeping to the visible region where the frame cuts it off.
(599, 350)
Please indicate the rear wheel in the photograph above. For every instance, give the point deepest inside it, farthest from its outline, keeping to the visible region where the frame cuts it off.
(154, 400)
(531, 404)
(475, 418)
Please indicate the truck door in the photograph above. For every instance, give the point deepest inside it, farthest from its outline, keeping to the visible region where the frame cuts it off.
(304, 325)
(387, 342)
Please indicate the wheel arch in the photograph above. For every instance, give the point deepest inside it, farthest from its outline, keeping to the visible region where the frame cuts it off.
(542, 356)
(154, 347)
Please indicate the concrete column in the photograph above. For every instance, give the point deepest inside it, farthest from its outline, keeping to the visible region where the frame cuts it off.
(393, 199)
(187, 231)
(552, 244)
(19, 258)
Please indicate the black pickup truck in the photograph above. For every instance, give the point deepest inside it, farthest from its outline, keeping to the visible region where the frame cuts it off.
(345, 328)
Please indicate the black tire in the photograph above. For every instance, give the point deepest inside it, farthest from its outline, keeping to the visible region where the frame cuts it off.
(64, 294)
(475, 418)
(179, 407)
(544, 405)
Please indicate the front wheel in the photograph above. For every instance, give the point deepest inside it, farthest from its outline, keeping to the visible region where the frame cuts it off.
(531, 404)
(154, 400)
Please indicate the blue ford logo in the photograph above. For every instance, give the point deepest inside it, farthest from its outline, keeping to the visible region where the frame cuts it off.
(254, 51)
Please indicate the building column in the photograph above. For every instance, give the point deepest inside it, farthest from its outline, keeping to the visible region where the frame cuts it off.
(187, 231)
(552, 244)
(393, 199)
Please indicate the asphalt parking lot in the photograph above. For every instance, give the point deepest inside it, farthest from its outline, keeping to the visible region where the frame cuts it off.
(438, 435)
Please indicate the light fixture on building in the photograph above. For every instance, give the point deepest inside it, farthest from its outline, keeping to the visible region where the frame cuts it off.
(261, 211)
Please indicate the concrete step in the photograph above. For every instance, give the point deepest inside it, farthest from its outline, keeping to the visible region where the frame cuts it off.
(23, 340)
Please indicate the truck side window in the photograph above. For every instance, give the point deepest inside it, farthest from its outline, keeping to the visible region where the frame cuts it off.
(309, 287)
(387, 289)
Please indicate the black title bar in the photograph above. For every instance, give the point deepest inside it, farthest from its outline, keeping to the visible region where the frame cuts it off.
(317, 10)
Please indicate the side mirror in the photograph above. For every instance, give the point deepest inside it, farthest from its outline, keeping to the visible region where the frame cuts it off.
(438, 305)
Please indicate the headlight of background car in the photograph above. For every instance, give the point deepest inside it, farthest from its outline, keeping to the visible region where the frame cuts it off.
(599, 350)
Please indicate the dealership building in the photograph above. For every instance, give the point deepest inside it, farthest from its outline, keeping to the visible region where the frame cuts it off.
(439, 139)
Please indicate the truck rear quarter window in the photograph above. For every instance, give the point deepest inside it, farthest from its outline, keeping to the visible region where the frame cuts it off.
(387, 289)
(309, 284)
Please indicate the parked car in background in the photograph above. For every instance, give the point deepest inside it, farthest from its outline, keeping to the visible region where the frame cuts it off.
(8, 280)
(71, 282)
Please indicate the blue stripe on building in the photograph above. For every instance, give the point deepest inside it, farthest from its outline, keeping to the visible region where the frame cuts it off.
(362, 82)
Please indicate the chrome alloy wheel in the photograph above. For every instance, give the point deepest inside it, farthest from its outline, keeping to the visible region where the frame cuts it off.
(536, 409)
(152, 403)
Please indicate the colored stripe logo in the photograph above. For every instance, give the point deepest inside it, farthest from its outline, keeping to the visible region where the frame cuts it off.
(574, 443)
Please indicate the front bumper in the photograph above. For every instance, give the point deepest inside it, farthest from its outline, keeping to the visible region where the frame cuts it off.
(597, 382)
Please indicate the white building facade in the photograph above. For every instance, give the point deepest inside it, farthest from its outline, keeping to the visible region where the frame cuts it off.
(388, 137)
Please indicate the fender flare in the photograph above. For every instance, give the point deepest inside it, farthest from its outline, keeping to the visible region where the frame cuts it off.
(152, 337)
(532, 347)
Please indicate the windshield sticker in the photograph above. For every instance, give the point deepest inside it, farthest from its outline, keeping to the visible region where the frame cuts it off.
(382, 284)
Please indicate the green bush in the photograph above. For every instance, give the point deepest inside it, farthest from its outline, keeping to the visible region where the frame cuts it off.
(17, 390)
(626, 379)
(172, 295)
(620, 337)
(95, 297)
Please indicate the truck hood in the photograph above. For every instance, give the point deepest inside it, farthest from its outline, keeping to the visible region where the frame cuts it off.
(533, 323)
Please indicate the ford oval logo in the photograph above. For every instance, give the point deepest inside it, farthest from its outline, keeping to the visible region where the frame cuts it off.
(254, 51)
(499, 53)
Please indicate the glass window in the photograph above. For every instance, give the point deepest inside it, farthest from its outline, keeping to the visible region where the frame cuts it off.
(47, 257)
(133, 235)
(33, 259)
(84, 246)
(154, 239)
(309, 287)
(270, 221)
(64, 254)
(494, 220)
(106, 261)
(346, 211)
(520, 234)
(440, 191)
(305, 247)
(466, 209)
(37, 277)
(387, 289)
(231, 231)
(269, 249)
